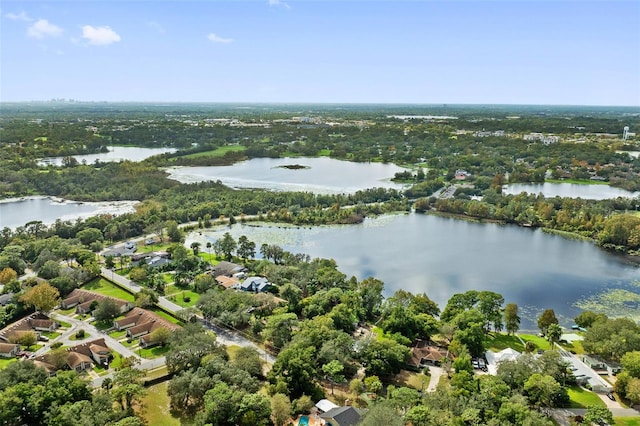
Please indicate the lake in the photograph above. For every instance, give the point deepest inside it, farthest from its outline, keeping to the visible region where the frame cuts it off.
(115, 154)
(320, 175)
(443, 256)
(572, 190)
(17, 212)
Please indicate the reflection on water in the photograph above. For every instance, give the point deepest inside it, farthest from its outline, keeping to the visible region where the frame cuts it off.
(319, 175)
(441, 256)
(572, 190)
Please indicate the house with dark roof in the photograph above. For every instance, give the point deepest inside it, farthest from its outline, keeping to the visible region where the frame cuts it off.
(227, 268)
(9, 350)
(154, 258)
(83, 301)
(140, 323)
(34, 323)
(255, 284)
(341, 416)
(79, 358)
(424, 354)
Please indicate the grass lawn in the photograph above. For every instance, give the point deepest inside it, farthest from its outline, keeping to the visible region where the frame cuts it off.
(128, 344)
(582, 398)
(154, 352)
(33, 348)
(574, 347)
(540, 342)
(154, 247)
(67, 312)
(499, 341)
(627, 421)
(324, 152)
(157, 372)
(168, 278)
(166, 316)
(50, 334)
(178, 298)
(6, 361)
(75, 338)
(578, 181)
(411, 379)
(156, 403)
(118, 334)
(102, 286)
(64, 324)
(218, 152)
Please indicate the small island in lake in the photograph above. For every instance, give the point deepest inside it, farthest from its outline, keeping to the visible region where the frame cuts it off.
(293, 166)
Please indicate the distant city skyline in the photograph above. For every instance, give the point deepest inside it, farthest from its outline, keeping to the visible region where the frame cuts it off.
(555, 52)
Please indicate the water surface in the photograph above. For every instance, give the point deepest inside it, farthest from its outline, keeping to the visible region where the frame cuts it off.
(115, 154)
(319, 175)
(442, 256)
(571, 190)
(18, 212)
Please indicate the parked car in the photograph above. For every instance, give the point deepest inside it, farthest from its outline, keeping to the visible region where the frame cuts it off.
(611, 396)
(130, 245)
(43, 338)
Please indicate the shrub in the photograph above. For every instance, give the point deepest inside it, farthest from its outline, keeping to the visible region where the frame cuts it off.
(80, 334)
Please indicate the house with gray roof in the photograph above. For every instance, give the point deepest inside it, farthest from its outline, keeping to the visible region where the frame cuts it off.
(255, 284)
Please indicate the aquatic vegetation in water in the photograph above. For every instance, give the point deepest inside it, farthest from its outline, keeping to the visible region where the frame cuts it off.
(616, 302)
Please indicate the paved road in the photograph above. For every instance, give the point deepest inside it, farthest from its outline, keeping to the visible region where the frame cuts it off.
(224, 336)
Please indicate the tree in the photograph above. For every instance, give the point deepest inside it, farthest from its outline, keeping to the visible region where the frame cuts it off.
(382, 413)
(597, 415)
(511, 318)
(7, 275)
(356, 387)
(109, 262)
(106, 309)
(43, 297)
(544, 391)
(246, 248)
(586, 318)
(554, 332)
(127, 387)
(228, 245)
(25, 339)
(173, 232)
(333, 371)
(547, 318)
(160, 336)
(146, 298)
(248, 359)
(631, 363)
(255, 410)
(280, 409)
(195, 246)
(373, 384)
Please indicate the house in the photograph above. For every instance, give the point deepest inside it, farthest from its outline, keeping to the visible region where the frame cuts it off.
(325, 405)
(154, 259)
(227, 282)
(228, 269)
(462, 174)
(341, 416)
(255, 284)
(9, 350)
(83, 301)
(594, 362)
(495, 358)
(79, 358)
(34, 323)
(140, 323)
(424, 354)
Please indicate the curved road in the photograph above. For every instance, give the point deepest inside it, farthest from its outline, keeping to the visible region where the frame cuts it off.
(223, 336)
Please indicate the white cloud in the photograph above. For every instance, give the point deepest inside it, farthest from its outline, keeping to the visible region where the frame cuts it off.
(43, 28)
(22, 16)
(217, 39)
(99, 36)
(278, 3)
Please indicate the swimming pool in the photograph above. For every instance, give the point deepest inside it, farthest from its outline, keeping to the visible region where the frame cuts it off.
(303, 421)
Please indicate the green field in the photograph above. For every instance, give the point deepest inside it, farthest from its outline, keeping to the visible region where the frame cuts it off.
(218, 152)
(6, 361)
(578, 181)
(156, 406)
(105, 287)
(540, 342)
(177, 297)
(154, 352)
(627, 421)
(499, 341)
(582, 398)
(163, 314)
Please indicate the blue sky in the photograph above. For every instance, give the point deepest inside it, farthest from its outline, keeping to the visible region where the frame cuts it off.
(507, 52)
